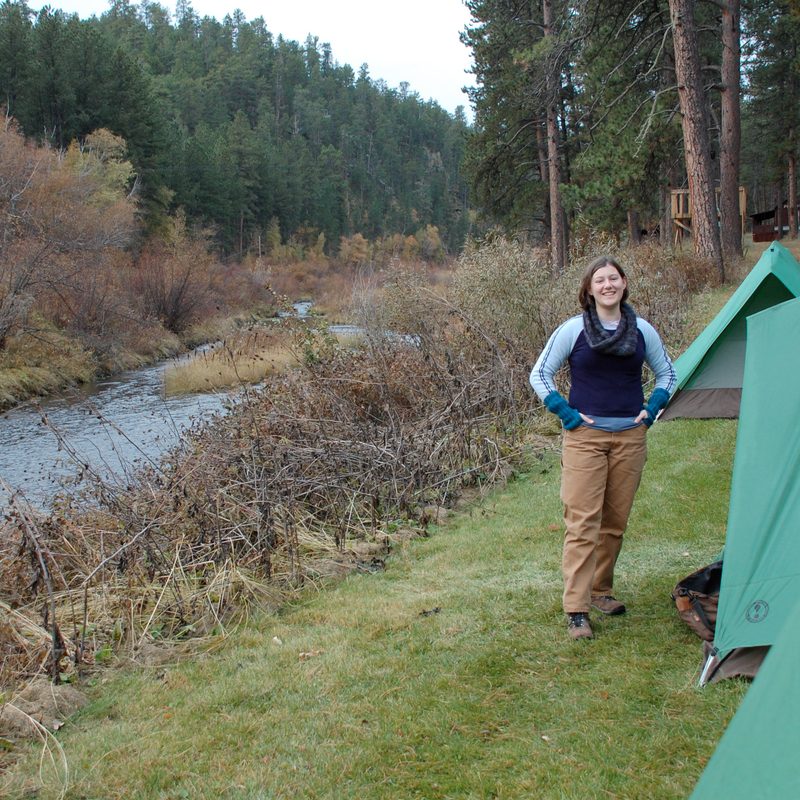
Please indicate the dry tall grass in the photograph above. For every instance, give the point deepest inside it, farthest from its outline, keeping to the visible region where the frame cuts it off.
(242, 359)
(505, 291)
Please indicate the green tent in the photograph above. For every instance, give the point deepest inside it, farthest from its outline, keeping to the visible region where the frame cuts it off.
(755, 757)
(761, 573)
(709, 372)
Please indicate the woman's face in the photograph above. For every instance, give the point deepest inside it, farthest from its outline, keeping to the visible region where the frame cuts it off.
(607, 287)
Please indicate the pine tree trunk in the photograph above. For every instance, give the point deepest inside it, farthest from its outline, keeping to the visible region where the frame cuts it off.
(634, 227)
(556, 213)
(665, 218)
(557, 229)
(777, 194)
(541, 145)
(671, 176)
(730, 137)
(792, 204)
(705, 231)
(544, 173)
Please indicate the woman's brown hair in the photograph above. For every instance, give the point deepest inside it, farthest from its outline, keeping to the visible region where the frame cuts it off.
(585, 298)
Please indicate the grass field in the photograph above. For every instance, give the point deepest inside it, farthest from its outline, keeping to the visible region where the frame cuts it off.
(448, 675)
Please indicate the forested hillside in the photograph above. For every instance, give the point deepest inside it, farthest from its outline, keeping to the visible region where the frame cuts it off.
(263, 140)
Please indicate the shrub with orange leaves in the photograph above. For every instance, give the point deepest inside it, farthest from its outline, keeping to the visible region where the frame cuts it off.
(62, 216)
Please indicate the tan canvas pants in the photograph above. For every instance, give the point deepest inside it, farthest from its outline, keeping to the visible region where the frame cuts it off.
(600, 474)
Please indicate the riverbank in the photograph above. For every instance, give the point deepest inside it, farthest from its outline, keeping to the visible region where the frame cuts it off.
(448, 675)
(52, 361)
(43, 360)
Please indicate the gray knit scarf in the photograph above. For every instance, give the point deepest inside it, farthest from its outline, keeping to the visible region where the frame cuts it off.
(620, 342)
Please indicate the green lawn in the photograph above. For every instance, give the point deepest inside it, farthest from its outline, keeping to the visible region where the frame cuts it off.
(449, 675)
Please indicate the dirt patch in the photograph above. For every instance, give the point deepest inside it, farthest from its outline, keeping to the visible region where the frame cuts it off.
(40, 703)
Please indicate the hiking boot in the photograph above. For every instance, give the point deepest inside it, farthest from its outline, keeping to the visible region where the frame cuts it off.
(606, 604)
(578, 626)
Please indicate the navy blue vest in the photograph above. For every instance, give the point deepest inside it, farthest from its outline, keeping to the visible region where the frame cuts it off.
(606, 385)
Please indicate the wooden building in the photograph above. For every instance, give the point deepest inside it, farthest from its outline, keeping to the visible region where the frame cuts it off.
(770, 225)
(681, 211)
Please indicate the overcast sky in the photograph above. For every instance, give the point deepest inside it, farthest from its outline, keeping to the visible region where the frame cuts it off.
(414, 40)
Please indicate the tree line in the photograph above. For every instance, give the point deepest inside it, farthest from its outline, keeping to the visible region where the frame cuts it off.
(589, 113)
(254, 137)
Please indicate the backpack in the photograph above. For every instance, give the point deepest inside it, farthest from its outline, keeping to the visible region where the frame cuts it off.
(696, 598)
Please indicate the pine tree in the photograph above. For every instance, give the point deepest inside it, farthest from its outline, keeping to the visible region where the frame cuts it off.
(15, 45)
(705, 232)
(771, 109)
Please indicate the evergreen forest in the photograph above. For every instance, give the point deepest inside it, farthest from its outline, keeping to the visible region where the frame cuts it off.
(256, 138)
(265, 141)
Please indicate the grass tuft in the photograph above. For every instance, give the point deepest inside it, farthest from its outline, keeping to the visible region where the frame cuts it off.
(246, 358)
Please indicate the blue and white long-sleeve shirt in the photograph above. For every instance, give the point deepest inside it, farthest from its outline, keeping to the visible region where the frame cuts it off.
(607, 388)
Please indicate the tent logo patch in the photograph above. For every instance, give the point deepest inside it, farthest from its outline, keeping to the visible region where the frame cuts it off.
(757, 612)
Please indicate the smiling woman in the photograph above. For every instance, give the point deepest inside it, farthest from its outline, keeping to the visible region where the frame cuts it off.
(605, 426)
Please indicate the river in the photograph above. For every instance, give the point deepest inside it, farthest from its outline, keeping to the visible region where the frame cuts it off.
(113, 425)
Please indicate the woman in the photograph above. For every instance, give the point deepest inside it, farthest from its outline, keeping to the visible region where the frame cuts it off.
(605, 426)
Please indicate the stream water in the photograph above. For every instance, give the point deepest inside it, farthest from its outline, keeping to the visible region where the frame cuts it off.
(113, 425)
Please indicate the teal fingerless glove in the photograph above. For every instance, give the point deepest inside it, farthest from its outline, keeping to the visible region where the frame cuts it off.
(569, 416)
(657, 401)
